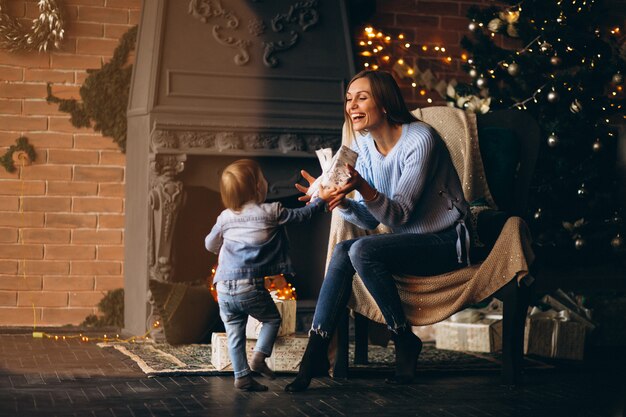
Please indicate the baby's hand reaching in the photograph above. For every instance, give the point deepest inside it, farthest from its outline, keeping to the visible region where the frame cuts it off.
(327, 193)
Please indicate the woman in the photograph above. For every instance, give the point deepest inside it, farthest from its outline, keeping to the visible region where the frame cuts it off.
(404, 178)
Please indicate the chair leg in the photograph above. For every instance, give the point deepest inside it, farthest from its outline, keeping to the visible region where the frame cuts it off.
(515, 302)
(340, 369)
(360, 339)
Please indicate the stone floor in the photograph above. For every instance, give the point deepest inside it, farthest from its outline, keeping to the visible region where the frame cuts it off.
(44, 377)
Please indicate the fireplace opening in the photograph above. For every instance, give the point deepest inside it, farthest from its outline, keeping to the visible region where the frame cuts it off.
(308, 242)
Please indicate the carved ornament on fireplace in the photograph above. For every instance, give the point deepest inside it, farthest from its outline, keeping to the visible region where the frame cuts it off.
(220, 141)
(166, 199)
(301, 15)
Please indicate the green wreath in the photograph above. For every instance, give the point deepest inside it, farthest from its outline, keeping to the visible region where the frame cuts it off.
(22, 151)
(104, 95)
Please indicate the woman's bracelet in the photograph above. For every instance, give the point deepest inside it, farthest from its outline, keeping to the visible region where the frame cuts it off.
(376, 194)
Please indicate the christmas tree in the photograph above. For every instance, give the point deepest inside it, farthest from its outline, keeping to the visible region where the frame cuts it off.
(562, 62)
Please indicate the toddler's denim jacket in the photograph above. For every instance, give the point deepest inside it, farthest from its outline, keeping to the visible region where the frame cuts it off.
(253, 242)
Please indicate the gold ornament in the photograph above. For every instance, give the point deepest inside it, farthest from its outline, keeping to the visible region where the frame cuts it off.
(46, 31)
(617, 242)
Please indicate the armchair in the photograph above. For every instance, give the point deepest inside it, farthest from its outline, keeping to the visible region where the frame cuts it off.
(500, 269)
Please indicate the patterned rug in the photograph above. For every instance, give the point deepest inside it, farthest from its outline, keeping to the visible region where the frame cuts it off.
(162, 359)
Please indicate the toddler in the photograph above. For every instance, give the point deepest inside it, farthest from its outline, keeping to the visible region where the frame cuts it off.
(251, 242)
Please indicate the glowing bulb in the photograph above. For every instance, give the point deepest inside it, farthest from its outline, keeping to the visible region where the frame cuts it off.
(401, 36)
(407, 45)
(422, 92)
(401, 61)
(430, 100)
(369, 29)
(413, 85)
(410, 71)
(424, 48)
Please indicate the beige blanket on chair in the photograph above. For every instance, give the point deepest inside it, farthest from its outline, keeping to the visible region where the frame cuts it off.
(428, 300)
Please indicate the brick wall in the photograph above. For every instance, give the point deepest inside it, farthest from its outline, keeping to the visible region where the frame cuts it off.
(62, 218)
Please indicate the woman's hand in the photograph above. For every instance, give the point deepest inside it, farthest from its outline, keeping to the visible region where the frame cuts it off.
(356, 182)
(310, 179)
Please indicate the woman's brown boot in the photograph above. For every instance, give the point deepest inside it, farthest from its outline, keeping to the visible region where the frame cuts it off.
(314, 363)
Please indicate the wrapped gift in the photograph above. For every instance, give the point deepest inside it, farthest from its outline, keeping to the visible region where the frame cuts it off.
(219, 352)
(552, 334)
(286, 355)
(287, 311)
(470, 331)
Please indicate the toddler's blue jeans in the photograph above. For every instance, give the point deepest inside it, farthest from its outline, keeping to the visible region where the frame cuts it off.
(239, 299)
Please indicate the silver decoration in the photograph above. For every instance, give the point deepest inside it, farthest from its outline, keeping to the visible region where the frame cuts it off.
(301, 16)
(513, 69)
(553, 96)
(555, 60)
(576, 106)
(553, 140)
(617, 78)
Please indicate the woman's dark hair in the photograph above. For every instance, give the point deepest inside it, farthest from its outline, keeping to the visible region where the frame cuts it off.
(387, 95)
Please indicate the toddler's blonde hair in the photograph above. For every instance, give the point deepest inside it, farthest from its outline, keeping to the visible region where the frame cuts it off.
(240, 183)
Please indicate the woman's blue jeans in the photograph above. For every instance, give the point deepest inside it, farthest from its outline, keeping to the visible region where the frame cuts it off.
(376, 258)
(239, 299)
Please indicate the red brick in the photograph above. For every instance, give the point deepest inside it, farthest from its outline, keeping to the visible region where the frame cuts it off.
(19, 316)
(107, 283)
(452, 23)
(111, 221)
(64, 316)
(9, 204)
(8, 267)
(42, 298)
(41, 107)
(8, 235)
(75, 61)
(438, 8)
(98, 205)
(94, 142)
(63, 124)
(22, 90)
(70, 252)
(113, 158)
(48, 76)
(86, 298)
(11, 74)
(70, 220)
(115, 31)
(50, 140)
(96, 236)
(125, 4)
(20, 283)
(47, 172)
(99, 174)
(22, 187)
(44, 267)
(21, 219)
(10, 106)
(8, 298)
(47, 204)
(101, 14)
(66, 91)
(134, 17)
(46, 236)
(22, 124)
(111, 190)
(81, 76)
(72, 157)
(68, 46)
(96, 268)
(65, 282)
(82, 29)
(21, 251)
(72, 188)
(110, 253)
(25, 59)
(5, 175)
(86, 2)
(413, 21)
(87, 46)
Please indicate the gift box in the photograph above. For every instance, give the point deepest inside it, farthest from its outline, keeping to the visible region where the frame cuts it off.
(553, 337)
(220, 358)
(474, 332)
(287, 311)
(286, 354)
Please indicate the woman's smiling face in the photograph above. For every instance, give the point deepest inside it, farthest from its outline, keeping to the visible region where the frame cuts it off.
(361, 106)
